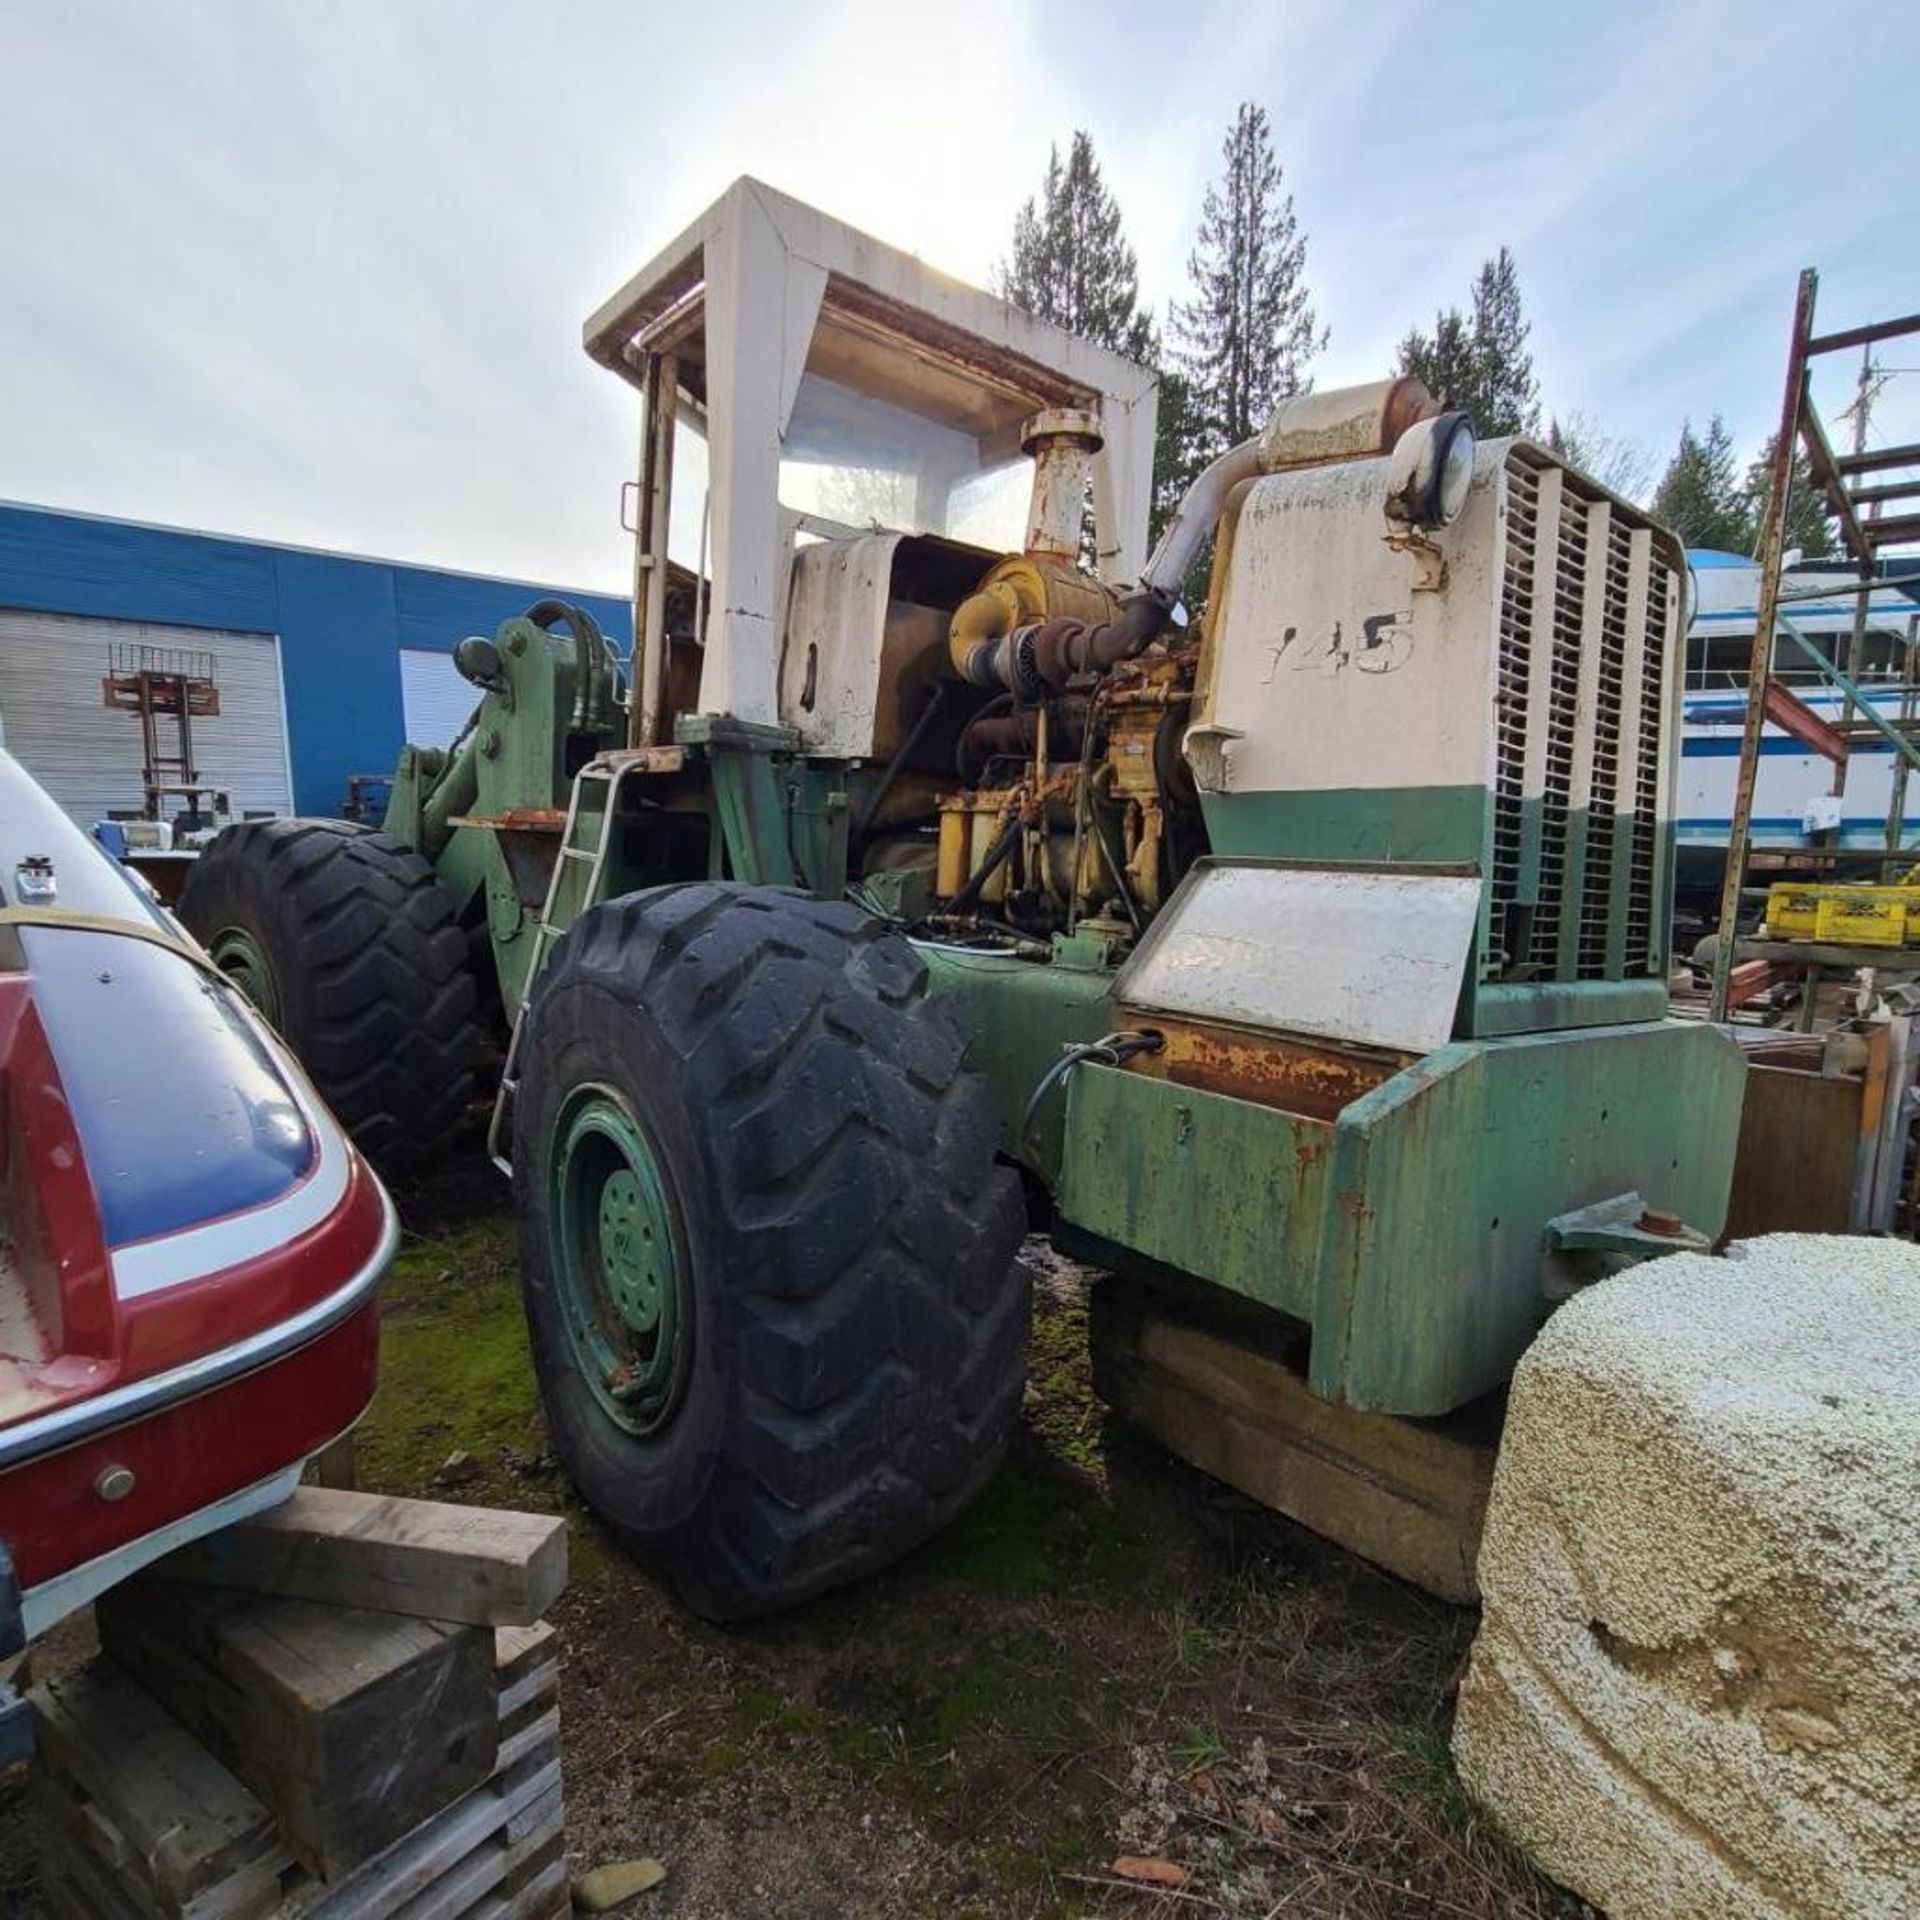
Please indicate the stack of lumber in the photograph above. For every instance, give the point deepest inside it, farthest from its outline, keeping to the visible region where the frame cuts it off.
(347, 1707)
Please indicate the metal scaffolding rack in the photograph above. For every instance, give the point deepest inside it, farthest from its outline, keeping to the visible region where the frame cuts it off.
(1866, 531)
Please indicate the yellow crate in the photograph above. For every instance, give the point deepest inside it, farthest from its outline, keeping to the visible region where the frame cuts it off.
(1793, 912)
(1862, 916)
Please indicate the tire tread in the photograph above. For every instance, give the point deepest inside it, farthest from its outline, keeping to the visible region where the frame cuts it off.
(391, 1035)
(878, 1312)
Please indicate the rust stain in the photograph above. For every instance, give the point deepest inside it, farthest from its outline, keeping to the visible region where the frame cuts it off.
(1314, 1082)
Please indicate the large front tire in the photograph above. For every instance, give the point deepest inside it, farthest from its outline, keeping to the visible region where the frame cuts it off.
(768, 1257)
(347, 944)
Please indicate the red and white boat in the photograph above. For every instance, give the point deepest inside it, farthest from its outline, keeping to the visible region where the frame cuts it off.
(189, 1246)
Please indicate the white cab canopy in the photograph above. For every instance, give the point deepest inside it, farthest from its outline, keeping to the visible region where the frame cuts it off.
(845, 382)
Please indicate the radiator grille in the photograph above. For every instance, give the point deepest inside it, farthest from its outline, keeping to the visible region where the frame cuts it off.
(1511, 705)
(1580, 733)
(1640, 953)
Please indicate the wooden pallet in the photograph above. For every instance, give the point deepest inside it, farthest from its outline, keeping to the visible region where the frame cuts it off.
(137, 1821)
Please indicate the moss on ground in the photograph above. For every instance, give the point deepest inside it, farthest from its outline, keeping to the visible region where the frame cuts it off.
(1099, 1617)
(1062, 1412)
(457, 1414)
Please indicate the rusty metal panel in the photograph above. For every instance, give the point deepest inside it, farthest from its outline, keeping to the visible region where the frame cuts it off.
(1216, 1187)
(1409, 1232)
(1298, 1077)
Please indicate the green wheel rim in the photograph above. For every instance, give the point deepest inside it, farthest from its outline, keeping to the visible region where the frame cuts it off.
(618, 1269)
(237, 954)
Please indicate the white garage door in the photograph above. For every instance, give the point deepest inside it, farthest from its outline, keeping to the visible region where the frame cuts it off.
(435, 701)
(88, 755)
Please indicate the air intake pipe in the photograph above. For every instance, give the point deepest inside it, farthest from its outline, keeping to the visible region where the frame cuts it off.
(1309, 429)
(1028, 659)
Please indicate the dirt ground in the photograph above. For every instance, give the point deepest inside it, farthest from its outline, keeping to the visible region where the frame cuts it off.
(1109, 1655)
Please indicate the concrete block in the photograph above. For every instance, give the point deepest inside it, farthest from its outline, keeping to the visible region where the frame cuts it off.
(1693, 1692)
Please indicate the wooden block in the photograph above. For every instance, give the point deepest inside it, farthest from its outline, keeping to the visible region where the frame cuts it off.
(546, 1898)
(529, 1744)
(160, 1808)
(74, 1832)
(544, 1807)
(352, 1726)
(500, 1817)
(516, 1649)
(1409, 1495)
(498, 1870)
(412, 1867)
(529, 1859)
(72, 1884)
(528, 1699)
(477, 1565)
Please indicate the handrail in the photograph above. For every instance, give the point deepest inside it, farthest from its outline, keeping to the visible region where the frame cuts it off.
(1899, 741)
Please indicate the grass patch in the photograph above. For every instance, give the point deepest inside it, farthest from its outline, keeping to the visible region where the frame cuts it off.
(454, 1372)
(1102, 1656)
(1064, 1413)
(456, 1379)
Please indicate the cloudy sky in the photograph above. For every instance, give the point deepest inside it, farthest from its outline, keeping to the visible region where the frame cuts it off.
(316, 272)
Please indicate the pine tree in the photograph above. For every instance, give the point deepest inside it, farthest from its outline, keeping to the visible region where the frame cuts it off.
(1174, 439)
(1700, 495)
(1243, 342)
(1445, 361)
(1479, 361)
(1509, 395)
(1808, 527)
(1071, 264)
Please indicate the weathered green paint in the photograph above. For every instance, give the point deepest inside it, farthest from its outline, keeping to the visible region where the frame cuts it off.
(818, 823)
(1216, 1187)
(747, 799)
(1572, 893)
(1617, 895)
(615, 1255)
(519, 738)
(1443, 1179)
(406, 796)
(1410, 1232)
(1018, 1015)
(1527, 888)
(1440, 824)
(752, 794)
(1546, 1006)
(514, 756)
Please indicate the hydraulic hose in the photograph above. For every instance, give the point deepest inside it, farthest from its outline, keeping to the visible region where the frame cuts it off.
(589, 655)
(997, 856)
(936, 691)
(1109, 1051)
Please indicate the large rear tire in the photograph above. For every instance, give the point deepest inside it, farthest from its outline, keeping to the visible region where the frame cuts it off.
(768, 1256)
(348, 945)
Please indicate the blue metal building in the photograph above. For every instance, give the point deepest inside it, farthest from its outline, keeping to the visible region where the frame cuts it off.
(326, 662)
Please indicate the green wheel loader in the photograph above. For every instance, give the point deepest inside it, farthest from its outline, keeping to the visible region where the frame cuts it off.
(926, 871)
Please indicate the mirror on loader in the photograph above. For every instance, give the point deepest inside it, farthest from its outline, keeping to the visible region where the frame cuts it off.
(1302, 966)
